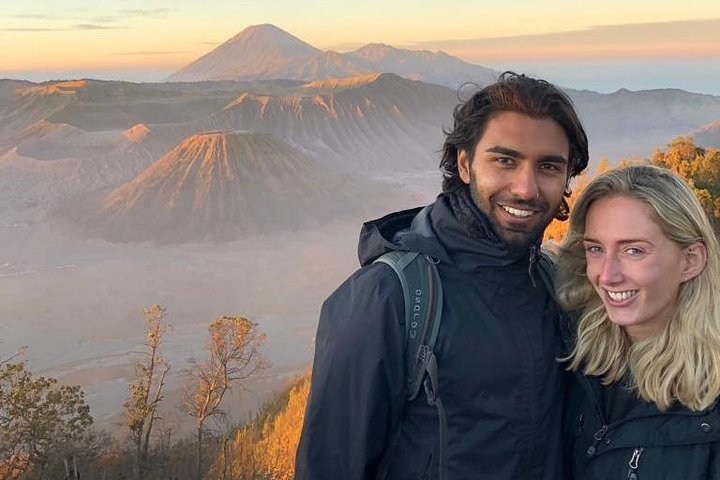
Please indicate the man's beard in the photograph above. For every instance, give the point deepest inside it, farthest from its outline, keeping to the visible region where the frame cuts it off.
(520, 237)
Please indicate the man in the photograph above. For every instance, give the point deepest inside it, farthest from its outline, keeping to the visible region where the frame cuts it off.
(506, 164)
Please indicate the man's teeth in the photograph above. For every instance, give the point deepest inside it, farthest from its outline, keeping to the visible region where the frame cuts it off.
(516, 212)
(620, 296)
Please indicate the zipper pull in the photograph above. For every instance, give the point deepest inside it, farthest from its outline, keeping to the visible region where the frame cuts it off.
(533, 259)
(633, 464)
(597, 436)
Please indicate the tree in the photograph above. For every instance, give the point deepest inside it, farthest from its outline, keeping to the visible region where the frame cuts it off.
(234, 356)
(146, 389)
(603, 166)
(700, 167)
(37, 417)
(556, 231)
(275, 453)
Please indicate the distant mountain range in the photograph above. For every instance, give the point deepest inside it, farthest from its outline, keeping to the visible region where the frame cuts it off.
(629, 123)
(268, 52)
(134, 162)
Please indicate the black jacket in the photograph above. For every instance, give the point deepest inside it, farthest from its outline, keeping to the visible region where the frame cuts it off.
(677, 444)
(496, 350)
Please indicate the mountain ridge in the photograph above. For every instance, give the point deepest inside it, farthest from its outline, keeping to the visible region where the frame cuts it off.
(268, 52)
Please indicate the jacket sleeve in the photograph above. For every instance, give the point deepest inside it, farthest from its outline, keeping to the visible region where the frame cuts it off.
(357, 389)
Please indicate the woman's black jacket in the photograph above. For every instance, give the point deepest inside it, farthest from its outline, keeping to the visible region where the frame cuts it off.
(645, 444)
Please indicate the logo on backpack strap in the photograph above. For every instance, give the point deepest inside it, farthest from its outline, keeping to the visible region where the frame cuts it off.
(415, 322)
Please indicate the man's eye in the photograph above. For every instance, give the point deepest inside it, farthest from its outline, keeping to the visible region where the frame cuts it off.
(550, 166)
(505, 160)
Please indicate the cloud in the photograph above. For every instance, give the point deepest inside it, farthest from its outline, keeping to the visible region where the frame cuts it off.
(149, 12)
(31, 29)
(151, 52)
(694, 38)
(125, 14)
(93, 26)
(38, 16)
(106, 19)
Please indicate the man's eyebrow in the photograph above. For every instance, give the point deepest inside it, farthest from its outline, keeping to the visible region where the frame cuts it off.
(515, 154)
(554, 159)
(505, 151)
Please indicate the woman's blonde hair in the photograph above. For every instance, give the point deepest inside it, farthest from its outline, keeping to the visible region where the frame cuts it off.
(682, 363)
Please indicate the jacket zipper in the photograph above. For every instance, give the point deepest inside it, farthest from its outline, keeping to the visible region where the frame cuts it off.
(597, 437)
(533, 259)
(634, 463)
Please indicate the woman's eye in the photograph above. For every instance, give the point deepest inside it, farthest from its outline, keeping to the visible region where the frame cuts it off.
(633, 251)
(592, 249)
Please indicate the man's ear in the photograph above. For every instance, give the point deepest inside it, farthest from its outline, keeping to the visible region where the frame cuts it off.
(463, 162)
(695, 260)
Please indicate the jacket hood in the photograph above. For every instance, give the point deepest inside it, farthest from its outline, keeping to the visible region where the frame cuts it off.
(436, 230)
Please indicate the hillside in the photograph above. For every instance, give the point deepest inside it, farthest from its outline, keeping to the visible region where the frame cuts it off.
(374, 123)
(708, 135)
(218, 185)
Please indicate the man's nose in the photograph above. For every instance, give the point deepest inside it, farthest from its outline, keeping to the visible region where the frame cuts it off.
(524, 185)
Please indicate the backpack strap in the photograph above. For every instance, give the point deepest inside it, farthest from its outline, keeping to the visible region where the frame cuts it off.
(422, 291)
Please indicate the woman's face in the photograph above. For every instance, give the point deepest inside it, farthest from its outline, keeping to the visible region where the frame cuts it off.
(635, 269)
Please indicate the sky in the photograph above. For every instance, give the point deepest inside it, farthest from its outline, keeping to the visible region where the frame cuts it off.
(597, 45)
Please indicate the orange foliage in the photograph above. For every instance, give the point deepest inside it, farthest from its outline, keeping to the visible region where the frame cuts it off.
(275, 453)
(265, 449)
(556, 231)
(14, 467)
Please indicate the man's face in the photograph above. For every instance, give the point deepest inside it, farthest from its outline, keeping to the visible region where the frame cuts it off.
(518, 174)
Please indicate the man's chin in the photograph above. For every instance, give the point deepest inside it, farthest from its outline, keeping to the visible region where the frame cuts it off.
(520, 238)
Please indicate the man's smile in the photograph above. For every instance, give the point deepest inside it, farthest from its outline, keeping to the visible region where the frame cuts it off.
(517, 212)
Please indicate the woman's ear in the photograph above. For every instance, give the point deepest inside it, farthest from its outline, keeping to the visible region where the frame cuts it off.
(463, 162)
(695, 260)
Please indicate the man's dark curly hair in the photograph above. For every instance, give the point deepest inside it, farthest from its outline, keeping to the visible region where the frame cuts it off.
(512, 93)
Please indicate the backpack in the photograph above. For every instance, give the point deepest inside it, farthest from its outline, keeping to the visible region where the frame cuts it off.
(423, 295)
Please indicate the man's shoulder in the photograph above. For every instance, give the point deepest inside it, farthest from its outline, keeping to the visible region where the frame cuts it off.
(376, 282)
(366, 309)
(371, 289)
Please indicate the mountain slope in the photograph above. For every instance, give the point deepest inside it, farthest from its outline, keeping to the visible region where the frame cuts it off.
(374, 124)
(708, 135)
(258, 52)
(219, 185)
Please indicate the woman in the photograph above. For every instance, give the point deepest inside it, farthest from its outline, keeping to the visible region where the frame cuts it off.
(641, 268)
